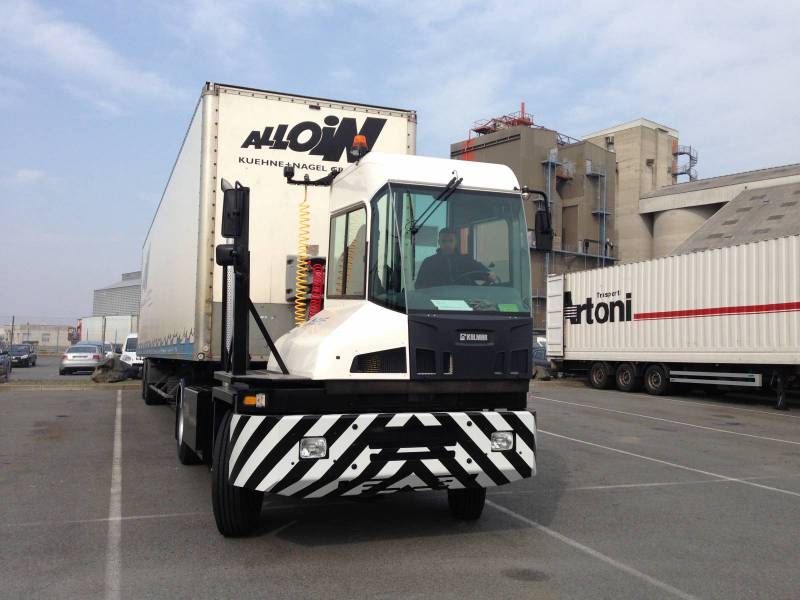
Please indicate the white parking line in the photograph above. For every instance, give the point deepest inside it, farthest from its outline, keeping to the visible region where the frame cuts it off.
(594, 553)
(721, 405)
(115, 509)
(102, 520)
(767, 413)
(683, 423)
(672, 464)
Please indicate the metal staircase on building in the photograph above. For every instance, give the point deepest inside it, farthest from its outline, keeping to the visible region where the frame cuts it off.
(686, 168)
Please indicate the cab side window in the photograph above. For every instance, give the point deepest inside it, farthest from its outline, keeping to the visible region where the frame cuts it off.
(347, 255)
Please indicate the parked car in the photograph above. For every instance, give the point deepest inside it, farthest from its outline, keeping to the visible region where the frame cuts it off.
(23, 355)
(5, 365)
(80, 357)
(129, 356)
(108, 347)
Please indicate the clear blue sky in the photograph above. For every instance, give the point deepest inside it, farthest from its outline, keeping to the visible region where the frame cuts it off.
(95, 97)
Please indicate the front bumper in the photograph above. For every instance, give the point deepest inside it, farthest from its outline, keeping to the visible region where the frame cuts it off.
(374, 453)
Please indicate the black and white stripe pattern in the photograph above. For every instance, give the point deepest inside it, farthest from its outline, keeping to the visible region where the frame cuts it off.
(379, 453)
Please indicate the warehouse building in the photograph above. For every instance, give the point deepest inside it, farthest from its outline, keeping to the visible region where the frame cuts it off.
(120, 298)
(47, 337)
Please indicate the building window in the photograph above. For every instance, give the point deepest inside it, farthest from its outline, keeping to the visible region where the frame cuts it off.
(45, 338)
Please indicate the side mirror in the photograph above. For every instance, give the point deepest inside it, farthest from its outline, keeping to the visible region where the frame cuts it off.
(233, 207)
(543, 231)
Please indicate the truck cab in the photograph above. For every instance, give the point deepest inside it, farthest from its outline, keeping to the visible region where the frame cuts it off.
(415, 374)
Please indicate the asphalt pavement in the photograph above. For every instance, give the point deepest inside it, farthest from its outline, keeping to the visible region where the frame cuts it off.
(636, 497)
(46, 369)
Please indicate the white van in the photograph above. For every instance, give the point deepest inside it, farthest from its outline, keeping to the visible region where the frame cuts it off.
(129, 357)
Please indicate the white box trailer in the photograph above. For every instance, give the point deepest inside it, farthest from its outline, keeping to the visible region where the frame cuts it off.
(248, 135)
(726, 316)
(111, 329)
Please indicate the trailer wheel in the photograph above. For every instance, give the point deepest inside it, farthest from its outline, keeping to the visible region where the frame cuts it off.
(656, 381)
(236, 510)
(466, 504)
(186, 455)
(626, 378)
(150, 397)
(600, 376)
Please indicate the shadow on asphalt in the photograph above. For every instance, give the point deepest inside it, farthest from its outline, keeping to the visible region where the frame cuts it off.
(340, 521)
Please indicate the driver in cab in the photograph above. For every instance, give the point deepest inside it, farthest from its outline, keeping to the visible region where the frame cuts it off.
(447, 267)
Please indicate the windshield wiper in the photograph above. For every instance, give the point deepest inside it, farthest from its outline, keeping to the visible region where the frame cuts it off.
(451, 187)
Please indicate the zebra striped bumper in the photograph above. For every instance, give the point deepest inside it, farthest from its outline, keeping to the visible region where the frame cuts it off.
(379, 453)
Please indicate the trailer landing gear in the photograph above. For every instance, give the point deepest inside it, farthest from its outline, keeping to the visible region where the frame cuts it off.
(236, 510)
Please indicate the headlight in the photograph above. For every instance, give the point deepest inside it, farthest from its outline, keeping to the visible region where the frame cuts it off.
(24, 356)
(125, 358)
(313, 447)
(502, 440)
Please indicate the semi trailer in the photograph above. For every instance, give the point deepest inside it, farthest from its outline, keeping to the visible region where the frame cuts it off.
(337, 370)
(726, 317)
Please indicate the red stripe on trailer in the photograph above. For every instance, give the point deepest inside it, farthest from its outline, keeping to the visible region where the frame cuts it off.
(751, 309)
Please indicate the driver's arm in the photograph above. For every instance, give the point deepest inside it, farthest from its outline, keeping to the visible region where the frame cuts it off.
(489, 275)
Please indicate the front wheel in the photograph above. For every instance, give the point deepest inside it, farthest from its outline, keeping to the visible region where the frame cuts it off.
(466, 504)
(656, 381)
(236, 510)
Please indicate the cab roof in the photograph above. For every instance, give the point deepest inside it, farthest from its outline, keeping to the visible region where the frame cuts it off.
(361, 181)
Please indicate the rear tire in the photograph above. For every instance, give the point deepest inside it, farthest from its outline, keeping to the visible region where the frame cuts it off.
(186, 455)
(62, 371)
(600, 377)
(151, 398)
(656, 381)
(466, 504)
(626, 378)
(236, 510)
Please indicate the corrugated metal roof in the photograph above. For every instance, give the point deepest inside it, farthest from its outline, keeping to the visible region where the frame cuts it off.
(753, 215)
(723, 180)
(122, 284)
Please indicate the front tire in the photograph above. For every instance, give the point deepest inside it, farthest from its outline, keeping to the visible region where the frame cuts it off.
(626, 378)
(466, 504)
(656, 380)
(600, 375)
(236, 510)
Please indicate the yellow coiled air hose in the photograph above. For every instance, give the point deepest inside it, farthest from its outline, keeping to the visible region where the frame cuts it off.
(301, 277)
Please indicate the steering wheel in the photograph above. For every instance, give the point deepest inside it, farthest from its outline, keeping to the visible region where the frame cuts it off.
(483, 274)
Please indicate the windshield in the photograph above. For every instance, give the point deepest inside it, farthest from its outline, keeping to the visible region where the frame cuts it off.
(465, 252)
(82, 350)
(130, 344)
(18, 348)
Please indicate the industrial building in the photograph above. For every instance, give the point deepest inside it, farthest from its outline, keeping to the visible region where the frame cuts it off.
(580, 181)
(655, 213)
(120, 298)
(615, 195)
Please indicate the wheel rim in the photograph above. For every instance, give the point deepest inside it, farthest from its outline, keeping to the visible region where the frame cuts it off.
(655, 379)
(625, 377)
